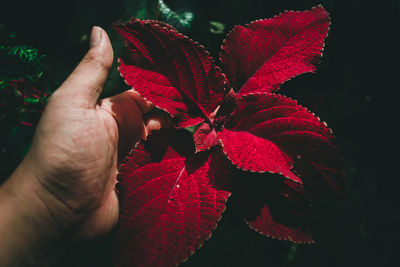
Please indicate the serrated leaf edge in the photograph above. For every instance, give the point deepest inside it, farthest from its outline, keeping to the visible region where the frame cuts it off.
(279, 238)
(223, 49)
(166, 27)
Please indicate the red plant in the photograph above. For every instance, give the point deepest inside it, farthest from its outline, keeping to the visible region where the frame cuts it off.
(173, 187)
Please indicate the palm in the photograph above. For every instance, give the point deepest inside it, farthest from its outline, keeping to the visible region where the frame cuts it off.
(81, 146)
(66, 181)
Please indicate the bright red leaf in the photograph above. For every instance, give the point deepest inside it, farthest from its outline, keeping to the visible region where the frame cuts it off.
(170, 70)
(262, 55)
(168, 205)
(205, 137)
(251, 153)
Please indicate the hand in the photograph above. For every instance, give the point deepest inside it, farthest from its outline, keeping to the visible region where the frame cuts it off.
(67, 178)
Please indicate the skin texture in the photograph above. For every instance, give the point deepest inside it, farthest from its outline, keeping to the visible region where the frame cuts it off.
(65, 187)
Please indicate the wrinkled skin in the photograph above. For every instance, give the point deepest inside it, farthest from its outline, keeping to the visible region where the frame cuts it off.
(66, 183)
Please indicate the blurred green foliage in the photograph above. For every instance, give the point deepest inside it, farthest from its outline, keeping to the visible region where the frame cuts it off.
(22, 98)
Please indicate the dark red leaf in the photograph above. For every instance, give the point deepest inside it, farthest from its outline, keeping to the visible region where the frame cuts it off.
(275, 207)
(291, 132)
(170, 70)
(168, 205)
(205, 137)
(265, 53)
(287, 216)
(320, 173)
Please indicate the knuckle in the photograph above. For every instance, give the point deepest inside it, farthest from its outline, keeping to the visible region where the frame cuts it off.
(96, 59)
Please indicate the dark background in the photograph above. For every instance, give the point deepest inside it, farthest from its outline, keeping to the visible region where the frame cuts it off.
(355, 89)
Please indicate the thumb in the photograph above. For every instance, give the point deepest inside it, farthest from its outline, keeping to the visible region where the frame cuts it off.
(84, 85)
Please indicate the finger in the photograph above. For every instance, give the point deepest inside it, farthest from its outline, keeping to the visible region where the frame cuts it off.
(84, 85)
(144, 105)
(128, 109)
(135, 118)
(157, 119)
(154, 119)
(129, 119)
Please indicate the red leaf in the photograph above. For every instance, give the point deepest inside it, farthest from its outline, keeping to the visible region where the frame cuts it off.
(205, 137)
(283, 132)
(320, 173)
(168, 205)
(287, 217)
(170, 70)
(275, 207)
(262, 55)
(251, 153)
(266, 115)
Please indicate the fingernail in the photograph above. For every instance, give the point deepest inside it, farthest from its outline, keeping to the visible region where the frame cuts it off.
(95, 36)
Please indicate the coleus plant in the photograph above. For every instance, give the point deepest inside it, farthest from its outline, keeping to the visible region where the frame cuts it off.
(233, 126)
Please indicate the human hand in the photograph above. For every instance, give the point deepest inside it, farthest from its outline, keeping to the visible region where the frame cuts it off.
(66, 181)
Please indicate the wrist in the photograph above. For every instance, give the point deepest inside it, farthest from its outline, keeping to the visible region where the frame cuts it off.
(26, 196)
(31, 224)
